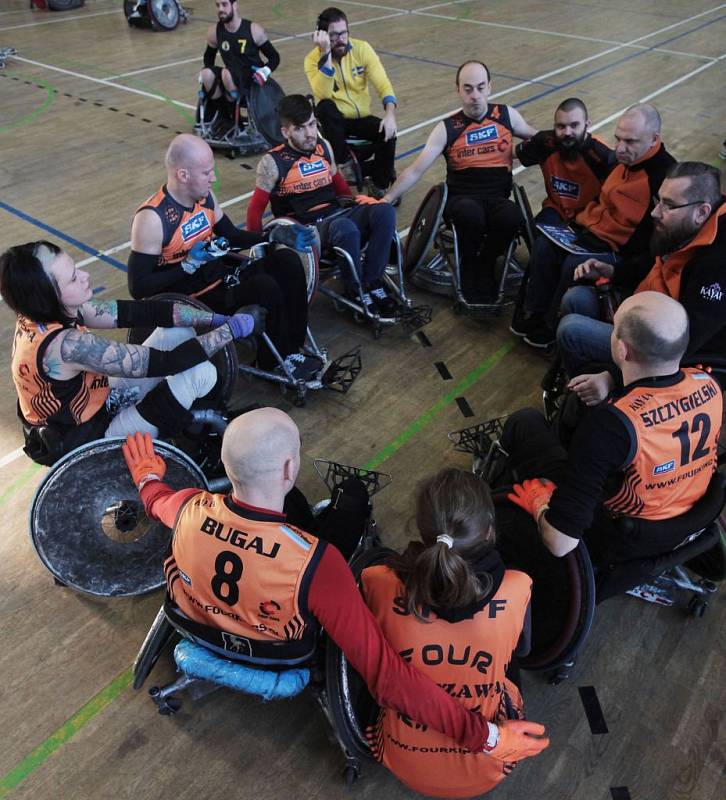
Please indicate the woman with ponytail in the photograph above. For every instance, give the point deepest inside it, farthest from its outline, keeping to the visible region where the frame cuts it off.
(449, 606)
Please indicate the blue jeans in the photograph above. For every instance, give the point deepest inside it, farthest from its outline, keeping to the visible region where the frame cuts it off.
(582, 339)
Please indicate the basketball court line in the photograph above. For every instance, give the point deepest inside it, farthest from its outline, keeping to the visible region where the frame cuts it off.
(60, 19)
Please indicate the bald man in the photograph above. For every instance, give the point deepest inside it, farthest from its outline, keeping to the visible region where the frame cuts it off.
(647, 454)
(170, 252)
(614, 225)
(246, 580)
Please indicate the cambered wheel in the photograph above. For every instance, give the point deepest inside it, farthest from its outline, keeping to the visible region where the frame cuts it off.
(164, 14)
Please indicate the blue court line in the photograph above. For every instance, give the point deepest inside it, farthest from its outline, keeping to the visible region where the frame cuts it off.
(60, 235)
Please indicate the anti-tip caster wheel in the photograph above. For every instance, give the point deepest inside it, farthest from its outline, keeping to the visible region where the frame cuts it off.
(351, 774)
(170, 706)
(377, 331)
(299, 400)
(697, 606)
(458, 309)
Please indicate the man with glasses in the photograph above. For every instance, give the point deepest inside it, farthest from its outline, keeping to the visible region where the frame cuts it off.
(339, 70)
(615, 225)
(685, 261)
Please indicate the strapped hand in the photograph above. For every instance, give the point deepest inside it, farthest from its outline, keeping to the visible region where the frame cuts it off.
(142, 460)
(248, 320)
(533, 496)
(260, 75)
(299, 237)
(519, 739)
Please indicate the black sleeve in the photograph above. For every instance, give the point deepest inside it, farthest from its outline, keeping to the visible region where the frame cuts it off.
(631, 270)
(533, 151)
(138, 313)
(209, 55)
(704, 299)
(144, 281)
(599, 449)
(169, 362)
(237, 237)
(273, 57)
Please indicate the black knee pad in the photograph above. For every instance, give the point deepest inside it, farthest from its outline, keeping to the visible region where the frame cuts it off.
(163, 410)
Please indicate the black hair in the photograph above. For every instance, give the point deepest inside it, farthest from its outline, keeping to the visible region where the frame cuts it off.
(295, 109)
(466, 64)
(25, 285)
(571, 104)
(331, 14)
(705, 181)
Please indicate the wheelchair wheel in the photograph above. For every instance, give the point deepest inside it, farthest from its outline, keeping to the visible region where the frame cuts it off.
(262, 104)
(225, 360)
(89, 528)
(309, 258)
(65, 5)
(157, 638)
(164, 14)
(425, 225)
(129, 6)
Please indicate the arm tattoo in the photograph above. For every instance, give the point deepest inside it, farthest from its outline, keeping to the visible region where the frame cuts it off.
(104, 308)
(267, 173)
(186, 316)
(216, 339)
(104, 356)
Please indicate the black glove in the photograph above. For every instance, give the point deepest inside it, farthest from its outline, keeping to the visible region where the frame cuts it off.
(258, 314)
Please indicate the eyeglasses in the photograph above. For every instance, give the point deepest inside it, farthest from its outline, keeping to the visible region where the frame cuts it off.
(668, 206)
(338, 35)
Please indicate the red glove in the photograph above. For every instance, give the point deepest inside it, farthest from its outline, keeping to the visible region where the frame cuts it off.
(519, 739)
(533, 496)
(141, 459)
(367, 200)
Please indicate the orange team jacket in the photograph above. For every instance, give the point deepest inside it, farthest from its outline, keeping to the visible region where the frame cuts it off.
(479, 154)
(674, 432)
(570, 183)
(218, 589)
(665, 275)
(304, 188)
(620, 215)
(468, 659)
(44, 400)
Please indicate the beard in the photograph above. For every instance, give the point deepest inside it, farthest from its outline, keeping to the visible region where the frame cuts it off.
(226, 18)
(569, 147)
(664, 241)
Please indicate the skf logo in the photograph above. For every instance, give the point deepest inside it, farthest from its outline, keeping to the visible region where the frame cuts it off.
(311, 167)
(668, 466)
(712, 292)
(486, 134)
(194, 226)
(565, 188)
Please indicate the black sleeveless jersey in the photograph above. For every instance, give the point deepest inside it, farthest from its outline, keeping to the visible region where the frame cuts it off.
(239, 52)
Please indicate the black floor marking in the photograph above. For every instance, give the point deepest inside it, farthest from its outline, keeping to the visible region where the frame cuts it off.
(619, 793)
(443, 371)
(464, 407)
(593, 710)
(423, 338)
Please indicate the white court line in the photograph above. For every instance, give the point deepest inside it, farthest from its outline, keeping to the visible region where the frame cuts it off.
(60, 19)
(7, 459)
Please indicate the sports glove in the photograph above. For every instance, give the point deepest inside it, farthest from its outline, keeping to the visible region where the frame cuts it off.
(198, 255)
(365, 199)
(142, 460)
(217, 320)
(248, 320)
(533, 496)
(260, 75)
(299, 237)
(518, 739)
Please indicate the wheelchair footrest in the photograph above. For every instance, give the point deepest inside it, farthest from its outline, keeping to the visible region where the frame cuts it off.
(333, 474)
(414, 318)
(5, 53)
(198, 662)
(478, 439)
(343, 371)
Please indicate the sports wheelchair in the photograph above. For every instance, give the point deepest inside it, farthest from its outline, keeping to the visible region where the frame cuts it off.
(440, 272)
(338, 690)
(159, 15)
(334, 260)
(222, 125)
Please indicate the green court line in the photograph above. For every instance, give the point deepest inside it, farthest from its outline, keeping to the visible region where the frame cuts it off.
(66, 731)
(113, 690)
(422, 421)
(21, 480)
(31, 115)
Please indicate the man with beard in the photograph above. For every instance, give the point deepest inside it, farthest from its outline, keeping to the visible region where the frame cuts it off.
(339, 70)
(617, 224)
(300, 179)
(240, 42)
(689, 246)
(477, 145)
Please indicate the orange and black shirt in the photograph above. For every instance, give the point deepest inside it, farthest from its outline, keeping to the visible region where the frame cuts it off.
(238, 579)
(44, 400)
(479, 153)
(469, 659)
(571, 183)
(304, 188)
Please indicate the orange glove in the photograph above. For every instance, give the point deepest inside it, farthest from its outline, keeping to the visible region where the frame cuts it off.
(533, 496)
(519, 739)
(367, 200)
(141, 459)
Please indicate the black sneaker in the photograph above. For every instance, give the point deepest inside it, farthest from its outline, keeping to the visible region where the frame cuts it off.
(540, 336)
(522, 326)
(385, 305)
(301, 367)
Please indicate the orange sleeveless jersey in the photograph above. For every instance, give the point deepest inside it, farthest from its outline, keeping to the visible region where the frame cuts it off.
(468, 659)
(304, 184)
(674, 431)
(182, 227)
(245, 577)
(42, 399)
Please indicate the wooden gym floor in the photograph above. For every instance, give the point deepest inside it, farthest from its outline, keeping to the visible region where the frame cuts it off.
(87, 109)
